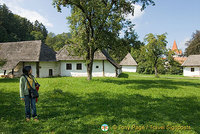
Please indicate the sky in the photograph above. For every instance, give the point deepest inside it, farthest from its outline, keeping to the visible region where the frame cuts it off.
(178, 18)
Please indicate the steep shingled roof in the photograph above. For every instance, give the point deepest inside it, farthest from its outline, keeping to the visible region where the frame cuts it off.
(128, 60)
(31, 51)
(192, 60)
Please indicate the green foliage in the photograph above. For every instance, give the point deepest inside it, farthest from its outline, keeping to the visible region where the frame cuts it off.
(77, 106)
(58, 41)
(166, 65)
(143, 63)
(194, 44)
(95, 24)
(37, 35)
(172, 66)
(128, 44)
(155, 49)
(16, 28)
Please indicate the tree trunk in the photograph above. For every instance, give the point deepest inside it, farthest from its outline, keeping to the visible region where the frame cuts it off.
(89, 61)
(89, 70)
(156, 72)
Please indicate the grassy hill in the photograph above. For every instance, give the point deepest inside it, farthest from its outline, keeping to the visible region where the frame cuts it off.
(75, 105)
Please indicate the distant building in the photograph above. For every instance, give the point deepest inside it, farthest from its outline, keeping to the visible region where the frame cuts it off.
(178, 54)
(191, 67)
(128, 64)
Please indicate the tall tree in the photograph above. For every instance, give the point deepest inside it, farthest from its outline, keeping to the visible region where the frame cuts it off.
(16, 28)
(155, 48)
(193, 44)
(172, 66)
(95, 24)
(56, 42)
(128, 44)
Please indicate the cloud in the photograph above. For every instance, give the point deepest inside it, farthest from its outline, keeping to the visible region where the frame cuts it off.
(137, 13)
(29, 14)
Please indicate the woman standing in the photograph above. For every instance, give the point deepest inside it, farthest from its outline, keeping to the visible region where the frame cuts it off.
(25, 94)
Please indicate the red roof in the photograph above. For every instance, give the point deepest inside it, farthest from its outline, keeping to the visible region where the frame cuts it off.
(180, 59)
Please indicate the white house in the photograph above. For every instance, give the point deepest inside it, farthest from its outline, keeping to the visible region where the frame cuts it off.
(46, 63)
(103, 64)
(191, 67)
(128, 64)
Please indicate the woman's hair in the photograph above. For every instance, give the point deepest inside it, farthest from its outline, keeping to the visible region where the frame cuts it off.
(26, 70)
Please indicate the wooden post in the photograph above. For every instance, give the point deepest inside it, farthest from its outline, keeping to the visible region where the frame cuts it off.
(23, 64)
(103, 69)
(116, 71)
(12, 71)
(37, 70)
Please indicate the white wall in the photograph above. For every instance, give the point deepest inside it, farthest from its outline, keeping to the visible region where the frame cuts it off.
(45, 66)
(59, 69)
(97, 72)
(129, 68)
(73, 72)
(109, 69)
(187, 71)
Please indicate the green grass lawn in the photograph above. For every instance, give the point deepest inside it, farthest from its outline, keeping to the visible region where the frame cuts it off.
(75, 105)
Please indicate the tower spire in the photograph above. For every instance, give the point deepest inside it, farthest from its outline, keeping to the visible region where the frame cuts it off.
(174, 48)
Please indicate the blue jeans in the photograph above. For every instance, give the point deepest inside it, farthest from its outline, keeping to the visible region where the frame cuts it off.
(30, 102)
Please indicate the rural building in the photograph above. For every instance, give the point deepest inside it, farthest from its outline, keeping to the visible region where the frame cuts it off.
(191, 67)
(45, 62)
(128, 64)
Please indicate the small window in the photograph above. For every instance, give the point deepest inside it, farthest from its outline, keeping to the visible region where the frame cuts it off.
(97, 66)
(192, 69)
(68, 66)
(78, 66)
(50, 72)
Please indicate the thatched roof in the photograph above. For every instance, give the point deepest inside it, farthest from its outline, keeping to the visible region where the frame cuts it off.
(128, 60)
(31, 51)
(47, 54)
(192, 60)
(63, 54)
(34, 51)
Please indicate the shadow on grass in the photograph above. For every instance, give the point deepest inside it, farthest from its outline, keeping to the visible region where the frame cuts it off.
(146, 84)
(11, 111)
(123, 75)
(65, 112)
(75, 114)
(9, 80)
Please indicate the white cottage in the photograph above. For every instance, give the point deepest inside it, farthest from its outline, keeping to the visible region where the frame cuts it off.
(46, 63)
(191, 67)
(128, 64)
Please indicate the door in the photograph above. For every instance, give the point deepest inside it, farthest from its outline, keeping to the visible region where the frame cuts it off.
(50, 72)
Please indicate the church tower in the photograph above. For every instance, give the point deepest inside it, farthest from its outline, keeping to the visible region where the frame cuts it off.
(178, 53)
